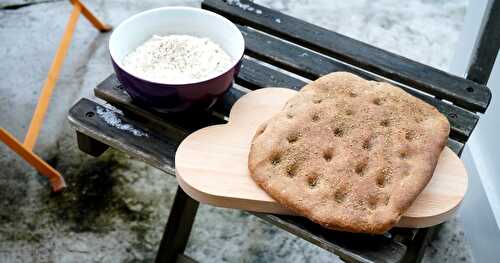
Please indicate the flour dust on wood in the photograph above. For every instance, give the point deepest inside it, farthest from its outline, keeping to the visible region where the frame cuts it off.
(177, 59)
(110, 117)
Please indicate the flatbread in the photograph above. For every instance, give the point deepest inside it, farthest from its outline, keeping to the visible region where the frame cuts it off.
(348, 153)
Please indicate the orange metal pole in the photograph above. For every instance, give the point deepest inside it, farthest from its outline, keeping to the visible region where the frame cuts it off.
(25, 150)
(55, 178)
(91, 18)
(50, 82)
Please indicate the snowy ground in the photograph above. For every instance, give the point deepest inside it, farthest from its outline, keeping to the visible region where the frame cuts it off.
(115, 208)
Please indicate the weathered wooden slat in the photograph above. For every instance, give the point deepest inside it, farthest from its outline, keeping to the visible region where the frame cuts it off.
(380, 248)
(462, 92)
(90, 146)
(181, 258)
(255, 76)
(312, 65)
(486, 48)
(291, 57)
(158, 150)
(176, 125)
(154, 149)
(252, 76)
(111, 87)
(456, 146)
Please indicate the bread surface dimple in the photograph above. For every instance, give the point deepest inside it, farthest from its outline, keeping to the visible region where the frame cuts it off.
(347, 153)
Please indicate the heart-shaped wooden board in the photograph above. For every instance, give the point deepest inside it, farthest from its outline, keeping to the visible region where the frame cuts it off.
(211, 166)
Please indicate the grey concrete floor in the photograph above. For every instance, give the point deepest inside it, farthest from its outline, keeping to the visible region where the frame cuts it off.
(115, 208)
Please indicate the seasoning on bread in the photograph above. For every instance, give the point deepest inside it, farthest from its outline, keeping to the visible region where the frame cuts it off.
(348, 153)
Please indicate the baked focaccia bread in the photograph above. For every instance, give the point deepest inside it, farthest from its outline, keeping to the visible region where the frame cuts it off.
(348, 153)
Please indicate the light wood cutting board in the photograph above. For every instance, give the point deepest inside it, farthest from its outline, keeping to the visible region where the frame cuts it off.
(211, 166)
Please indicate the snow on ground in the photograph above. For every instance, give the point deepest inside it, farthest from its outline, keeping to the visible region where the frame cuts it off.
(115, 208)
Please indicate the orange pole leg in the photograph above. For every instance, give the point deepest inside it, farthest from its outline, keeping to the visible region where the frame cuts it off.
(50, 82)
(55, 178)
(91, 18)
(25, 150)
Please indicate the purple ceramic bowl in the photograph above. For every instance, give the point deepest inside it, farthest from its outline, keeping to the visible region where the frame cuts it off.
(176, 97)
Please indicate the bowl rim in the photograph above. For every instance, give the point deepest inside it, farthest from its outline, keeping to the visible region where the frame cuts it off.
(206, 12)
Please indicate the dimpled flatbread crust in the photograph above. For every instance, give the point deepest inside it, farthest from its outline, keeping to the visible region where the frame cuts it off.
(348, 153)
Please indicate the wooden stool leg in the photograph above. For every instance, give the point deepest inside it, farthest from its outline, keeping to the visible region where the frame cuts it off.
(55, 178)
(91, 18)
(90, 145)
(416, 247)
(178, 227)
